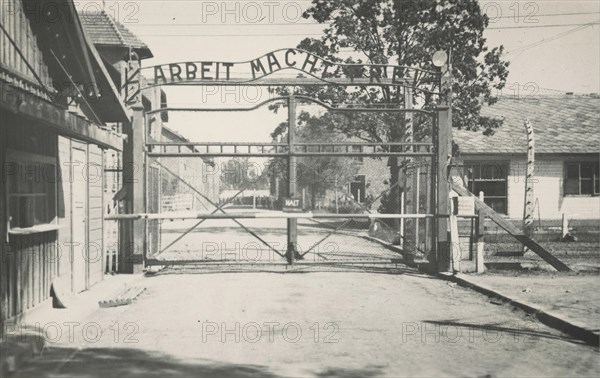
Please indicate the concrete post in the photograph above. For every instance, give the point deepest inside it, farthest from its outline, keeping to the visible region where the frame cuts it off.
(133, 180)
(479, 234)
(134, 168)
(444, 150)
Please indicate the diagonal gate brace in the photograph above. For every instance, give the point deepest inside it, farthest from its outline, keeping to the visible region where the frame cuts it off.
(218, 208)
(512, 230)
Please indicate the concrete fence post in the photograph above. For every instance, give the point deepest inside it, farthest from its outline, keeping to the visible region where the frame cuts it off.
(479, 235)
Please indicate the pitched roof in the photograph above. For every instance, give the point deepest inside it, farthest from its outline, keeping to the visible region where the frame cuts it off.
(562, 124)
(105, 31)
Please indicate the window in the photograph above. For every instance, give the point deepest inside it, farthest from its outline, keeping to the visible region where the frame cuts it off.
(491, 179)
(582, 178)
(358, 188)
(32, 182)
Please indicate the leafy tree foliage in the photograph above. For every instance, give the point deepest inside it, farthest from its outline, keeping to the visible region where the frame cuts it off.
(317, 174)
(407, 33)
(241, 173)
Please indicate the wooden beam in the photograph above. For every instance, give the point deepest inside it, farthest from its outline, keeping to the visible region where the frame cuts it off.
(27, 105)
(513, 230)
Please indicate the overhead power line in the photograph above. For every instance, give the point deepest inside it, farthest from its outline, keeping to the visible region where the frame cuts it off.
(552, 38)
(597, 22)
(540, 26)
(314, 23)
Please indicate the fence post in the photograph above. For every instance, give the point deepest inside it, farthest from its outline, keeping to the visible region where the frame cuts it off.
(402, 220)
(455, 250)
(479, 236)
(304, 198)
(337, 210)
(565, 225)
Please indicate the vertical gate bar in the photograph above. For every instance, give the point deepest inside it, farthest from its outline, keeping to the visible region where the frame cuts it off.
(417, 203)
(408, 188)
(292, 229)
(433, 191)
(146, 195)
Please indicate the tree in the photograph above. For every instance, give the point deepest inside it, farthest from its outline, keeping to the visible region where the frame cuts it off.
(407, 33)
(241, 173)
(317, 174)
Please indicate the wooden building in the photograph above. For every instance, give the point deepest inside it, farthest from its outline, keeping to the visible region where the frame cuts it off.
(567, 153)
(116, 45)
(57, 102)
(199, 173)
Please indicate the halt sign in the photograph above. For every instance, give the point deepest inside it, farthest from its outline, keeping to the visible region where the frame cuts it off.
(293, 205)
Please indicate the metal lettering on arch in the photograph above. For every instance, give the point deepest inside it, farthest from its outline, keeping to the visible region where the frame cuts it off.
(312, 69)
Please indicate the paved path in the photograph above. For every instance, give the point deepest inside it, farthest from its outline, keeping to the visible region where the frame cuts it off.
(316, 324)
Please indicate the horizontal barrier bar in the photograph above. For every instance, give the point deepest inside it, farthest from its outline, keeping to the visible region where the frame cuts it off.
(259, 144)
(285, 154)
(283, 264)
(273, 215)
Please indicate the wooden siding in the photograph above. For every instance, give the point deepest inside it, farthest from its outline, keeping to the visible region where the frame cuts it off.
(4, 298)
(13, 66)
(29, 264)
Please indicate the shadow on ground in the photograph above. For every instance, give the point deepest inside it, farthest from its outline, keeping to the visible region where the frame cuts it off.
(128, 362)
(524, 331)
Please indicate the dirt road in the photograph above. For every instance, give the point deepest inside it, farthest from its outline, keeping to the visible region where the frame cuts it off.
(314, 324)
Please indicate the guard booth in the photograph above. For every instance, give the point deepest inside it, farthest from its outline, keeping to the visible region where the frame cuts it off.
(325, 193)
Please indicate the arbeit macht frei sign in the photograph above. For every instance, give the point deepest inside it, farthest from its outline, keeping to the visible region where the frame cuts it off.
(260, 71)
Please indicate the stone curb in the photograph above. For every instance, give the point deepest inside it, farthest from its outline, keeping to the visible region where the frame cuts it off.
(572, 328)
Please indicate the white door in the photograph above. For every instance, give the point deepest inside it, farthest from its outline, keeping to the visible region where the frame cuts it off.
(79, 220)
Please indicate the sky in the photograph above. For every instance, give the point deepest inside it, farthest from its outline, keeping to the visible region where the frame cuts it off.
(551, 46)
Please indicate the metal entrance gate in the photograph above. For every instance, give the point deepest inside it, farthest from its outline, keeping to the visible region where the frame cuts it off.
(338, 225)
(190, 225)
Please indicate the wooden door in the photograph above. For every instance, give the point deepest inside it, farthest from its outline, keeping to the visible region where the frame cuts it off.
(79, 236)
(95, 250)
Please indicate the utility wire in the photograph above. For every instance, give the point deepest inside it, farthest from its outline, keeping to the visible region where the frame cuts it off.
(541, 26)
(597, 22)
(315, 23)
(552, 38)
